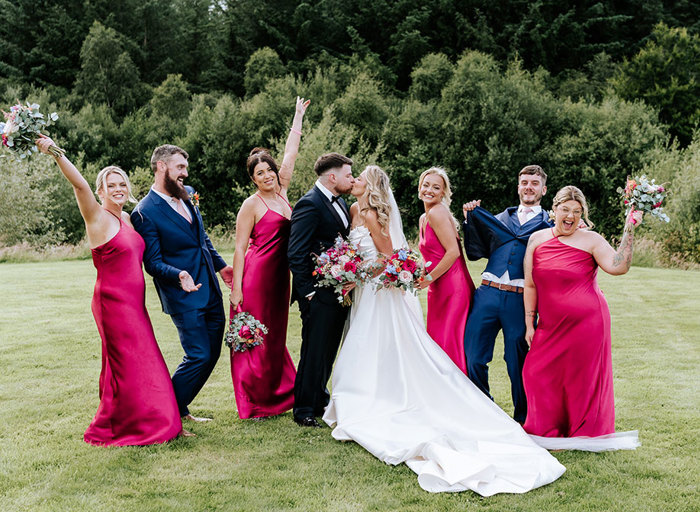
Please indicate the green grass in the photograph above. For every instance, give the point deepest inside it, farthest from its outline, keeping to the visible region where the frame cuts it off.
(50, 362)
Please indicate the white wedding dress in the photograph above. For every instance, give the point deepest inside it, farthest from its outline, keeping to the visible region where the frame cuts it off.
(399, 396)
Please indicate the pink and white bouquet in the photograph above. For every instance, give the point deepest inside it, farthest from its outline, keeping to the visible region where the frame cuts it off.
(402, 269)
(340, 264)
(22, 126)
(644, 195)
(244, 332)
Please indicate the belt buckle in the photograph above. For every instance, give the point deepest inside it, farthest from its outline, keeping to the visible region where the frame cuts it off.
(501, 285)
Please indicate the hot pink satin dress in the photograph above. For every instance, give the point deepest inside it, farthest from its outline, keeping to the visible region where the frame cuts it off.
(568, 371)
(449, 298)
(137, 401)
(263, 377)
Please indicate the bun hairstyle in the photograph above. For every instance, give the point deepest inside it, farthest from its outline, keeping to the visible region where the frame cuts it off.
(258, 155)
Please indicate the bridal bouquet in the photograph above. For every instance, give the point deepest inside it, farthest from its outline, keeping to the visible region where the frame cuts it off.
(340, 264)
(244, 332)
(644, 195)
(402, 269)
(22, 126)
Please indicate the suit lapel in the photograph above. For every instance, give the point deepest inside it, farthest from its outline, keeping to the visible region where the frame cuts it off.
(329, 206)
(172, 215)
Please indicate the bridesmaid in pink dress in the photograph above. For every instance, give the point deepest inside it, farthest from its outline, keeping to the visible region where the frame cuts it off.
(568, 371)
(263, 377)
(450, 287)
(137, 401)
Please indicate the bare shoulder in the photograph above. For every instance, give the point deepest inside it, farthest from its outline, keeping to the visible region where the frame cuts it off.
(126, 218)
(438, 213)
(539, 237)
(354, 208)
(590, 239)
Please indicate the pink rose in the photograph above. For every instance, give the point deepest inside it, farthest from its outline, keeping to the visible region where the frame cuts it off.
(244, 332)
(350, 267)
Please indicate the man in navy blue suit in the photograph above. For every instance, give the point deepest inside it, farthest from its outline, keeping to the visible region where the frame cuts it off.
(318, 219)
(183, 263)
(498, 302)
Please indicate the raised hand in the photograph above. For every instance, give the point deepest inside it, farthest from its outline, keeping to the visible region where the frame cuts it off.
(467, 207)
(635, 218)
(44, 143)
(302, 105)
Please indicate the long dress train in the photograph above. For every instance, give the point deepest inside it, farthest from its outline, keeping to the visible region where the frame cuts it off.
(449, 298)
(263, 377)
(137, 401)
(568, 372)
(398, 395)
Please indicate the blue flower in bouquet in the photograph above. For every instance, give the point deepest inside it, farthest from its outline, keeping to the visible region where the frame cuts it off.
(403, 254)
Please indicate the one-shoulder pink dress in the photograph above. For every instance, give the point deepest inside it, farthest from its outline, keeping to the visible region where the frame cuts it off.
(449, 298)
(568, 372)
(263, 377)
(137, 401)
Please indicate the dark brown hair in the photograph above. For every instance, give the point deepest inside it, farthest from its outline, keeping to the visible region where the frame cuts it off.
(330, 161)
(258, 155)
(534, 169)
(163, 154)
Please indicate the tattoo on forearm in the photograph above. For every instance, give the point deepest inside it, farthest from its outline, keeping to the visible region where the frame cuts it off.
(624, 252)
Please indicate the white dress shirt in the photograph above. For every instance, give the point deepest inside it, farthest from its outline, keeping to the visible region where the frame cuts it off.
(336, 205)
(174, 202)
(505, 278)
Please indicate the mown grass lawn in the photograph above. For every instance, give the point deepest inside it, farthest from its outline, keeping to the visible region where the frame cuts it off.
(50, 362)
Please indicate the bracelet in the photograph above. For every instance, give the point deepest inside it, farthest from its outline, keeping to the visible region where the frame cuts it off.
(294, 130)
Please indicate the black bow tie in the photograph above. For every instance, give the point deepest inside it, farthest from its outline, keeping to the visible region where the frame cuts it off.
(335, 199)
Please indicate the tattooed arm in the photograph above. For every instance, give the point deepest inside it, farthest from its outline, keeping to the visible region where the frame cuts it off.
(618, 262)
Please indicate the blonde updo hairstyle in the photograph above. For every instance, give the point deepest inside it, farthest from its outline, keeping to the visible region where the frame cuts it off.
(447, 190)
(101, 181)
(377, 194)
(571, 193)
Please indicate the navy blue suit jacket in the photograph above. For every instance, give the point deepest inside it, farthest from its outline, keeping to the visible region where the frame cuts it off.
(173, 245)
(501, 239)
(315, 226)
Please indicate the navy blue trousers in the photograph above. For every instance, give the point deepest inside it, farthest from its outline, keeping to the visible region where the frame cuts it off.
(494, 310)
(201, 333)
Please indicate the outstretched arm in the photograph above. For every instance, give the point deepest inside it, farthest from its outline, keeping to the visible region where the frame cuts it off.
(291, 149)
(618, 262)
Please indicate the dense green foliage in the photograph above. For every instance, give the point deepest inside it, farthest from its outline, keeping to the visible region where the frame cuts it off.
(481, 88)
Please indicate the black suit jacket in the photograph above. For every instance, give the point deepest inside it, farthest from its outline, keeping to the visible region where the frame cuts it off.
(315, 226)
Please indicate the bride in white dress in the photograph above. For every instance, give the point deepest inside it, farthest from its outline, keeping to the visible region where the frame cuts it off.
(399, 396)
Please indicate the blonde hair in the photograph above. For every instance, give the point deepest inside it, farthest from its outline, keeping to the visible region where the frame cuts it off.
(447, 190)
(113, 169)
(377, 194)
(571, 193)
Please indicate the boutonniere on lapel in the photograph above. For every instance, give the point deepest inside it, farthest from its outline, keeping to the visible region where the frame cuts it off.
(194, 198)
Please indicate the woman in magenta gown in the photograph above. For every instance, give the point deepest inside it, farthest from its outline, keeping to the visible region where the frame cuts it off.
(450, 287)
(263, 376)
(568, 372)
(137, 401)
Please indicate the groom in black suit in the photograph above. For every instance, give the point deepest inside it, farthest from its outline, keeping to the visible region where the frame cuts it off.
(317, 220)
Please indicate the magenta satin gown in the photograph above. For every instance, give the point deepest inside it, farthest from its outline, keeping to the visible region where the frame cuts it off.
(568, 371)
(137, 401)
(263, 377)
(449, 298)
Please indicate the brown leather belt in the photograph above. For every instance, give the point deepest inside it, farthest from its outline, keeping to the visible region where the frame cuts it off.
(504, 287)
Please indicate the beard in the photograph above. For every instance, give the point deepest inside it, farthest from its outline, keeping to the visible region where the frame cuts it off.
(530, 202)
(175, 188)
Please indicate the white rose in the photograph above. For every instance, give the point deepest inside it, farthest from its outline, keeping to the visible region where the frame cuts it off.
(405, 276)
(336, 271)
(344, 259)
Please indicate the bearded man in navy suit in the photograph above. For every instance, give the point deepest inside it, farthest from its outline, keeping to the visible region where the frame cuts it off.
(498, 302)
(183, 263)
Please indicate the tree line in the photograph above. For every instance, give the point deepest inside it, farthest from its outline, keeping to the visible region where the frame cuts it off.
(592, 91)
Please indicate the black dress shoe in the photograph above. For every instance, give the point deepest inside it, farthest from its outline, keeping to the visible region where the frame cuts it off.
(309, 421)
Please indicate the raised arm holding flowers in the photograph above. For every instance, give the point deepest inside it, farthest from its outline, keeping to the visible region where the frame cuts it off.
(131, 359)
(568, 370)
